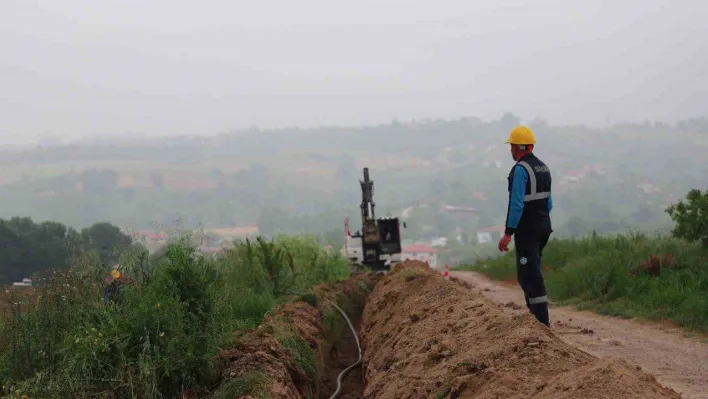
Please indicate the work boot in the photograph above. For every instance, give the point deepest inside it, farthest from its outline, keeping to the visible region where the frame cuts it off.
(540, 310)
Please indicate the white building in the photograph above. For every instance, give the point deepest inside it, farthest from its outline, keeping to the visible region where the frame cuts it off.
(439, 242)
(421, 252)
(24, 283)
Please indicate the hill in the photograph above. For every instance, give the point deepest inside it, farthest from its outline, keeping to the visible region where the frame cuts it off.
(606, 178)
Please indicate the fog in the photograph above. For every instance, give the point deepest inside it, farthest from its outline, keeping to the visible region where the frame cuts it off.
(78, 68)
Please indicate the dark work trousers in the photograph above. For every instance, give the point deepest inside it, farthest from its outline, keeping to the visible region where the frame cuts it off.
(529, 249)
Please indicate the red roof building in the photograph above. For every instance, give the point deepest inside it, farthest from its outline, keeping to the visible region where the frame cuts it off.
(421, 252)
(419, 248)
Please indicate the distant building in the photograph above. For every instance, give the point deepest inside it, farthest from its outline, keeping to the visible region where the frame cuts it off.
(24, 283)
(150, 237)
(232, 233)
(460, 235)
(489, 234)
(439, 242)
(421, 252)
(460, 210)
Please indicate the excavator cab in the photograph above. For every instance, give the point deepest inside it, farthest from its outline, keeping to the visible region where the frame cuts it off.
(390, 236)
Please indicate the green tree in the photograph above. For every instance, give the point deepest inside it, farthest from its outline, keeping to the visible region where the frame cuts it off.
(691, 217)
(27, 248)
(107, 240)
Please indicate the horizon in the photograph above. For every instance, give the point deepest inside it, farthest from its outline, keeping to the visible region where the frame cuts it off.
(54, 140)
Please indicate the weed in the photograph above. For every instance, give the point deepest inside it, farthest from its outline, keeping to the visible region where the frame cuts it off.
(623, 275)
(410, 275)
(159, 338)
(445, 392)
(310, 299)
(254, 384)
(299, 349)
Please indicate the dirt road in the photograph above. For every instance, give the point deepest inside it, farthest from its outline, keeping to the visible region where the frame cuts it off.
(678, 361)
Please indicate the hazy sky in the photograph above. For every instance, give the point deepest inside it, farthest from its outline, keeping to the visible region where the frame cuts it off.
(75, 68)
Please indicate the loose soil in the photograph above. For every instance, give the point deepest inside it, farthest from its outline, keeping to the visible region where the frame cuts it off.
(677, 359)
(260, 353)
(427, 337)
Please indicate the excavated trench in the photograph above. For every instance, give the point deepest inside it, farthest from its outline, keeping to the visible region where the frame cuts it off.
(302, 347)
(422, 337)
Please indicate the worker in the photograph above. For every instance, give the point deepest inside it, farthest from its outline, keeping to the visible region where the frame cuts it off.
(528, 219)
(113, 286)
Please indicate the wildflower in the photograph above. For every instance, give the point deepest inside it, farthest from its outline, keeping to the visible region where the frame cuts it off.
(157, 306)
(162, 334)
(25, 397)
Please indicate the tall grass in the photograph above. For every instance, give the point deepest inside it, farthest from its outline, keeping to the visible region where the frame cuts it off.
(159, 338)
(623, 275)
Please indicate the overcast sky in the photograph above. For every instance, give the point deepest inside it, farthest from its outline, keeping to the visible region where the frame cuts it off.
(75, 68)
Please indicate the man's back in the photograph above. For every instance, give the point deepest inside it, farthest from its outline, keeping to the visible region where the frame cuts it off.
(537, 193)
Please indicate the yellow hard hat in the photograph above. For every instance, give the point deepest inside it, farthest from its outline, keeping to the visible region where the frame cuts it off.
(521, 135)
(115, 274)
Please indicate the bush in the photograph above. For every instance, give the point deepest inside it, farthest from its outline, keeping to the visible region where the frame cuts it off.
(623, 275)
(691, 217)
(160, 337)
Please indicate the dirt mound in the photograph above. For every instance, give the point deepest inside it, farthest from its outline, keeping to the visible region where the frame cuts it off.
(426, 337)
(299, 348)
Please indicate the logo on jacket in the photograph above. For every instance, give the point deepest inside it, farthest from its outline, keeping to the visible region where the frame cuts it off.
(523, 260)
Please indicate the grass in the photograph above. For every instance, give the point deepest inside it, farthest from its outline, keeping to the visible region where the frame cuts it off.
(254, 384)
(160, 337)
(299, 349)
(657, 278)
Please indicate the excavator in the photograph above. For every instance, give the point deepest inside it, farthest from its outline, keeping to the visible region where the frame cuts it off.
(378, 246)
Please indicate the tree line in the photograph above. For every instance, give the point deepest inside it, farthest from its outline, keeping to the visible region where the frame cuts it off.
(27, 247)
